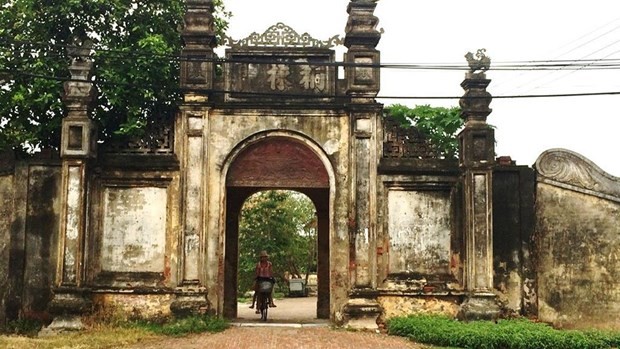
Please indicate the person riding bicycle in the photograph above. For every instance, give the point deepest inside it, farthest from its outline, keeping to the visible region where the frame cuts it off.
(264, 272)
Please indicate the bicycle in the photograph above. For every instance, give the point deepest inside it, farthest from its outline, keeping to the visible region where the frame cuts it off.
(262, 301)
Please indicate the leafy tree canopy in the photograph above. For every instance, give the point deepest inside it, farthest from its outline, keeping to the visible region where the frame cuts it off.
(439, 124)
(280, 222)
(136, 45)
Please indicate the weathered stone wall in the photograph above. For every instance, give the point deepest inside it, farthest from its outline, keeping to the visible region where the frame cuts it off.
(419, 225)
(419, 245)
(513, 227)
(42, 219)
(134, 229)
(577, 241)
(133, 239)
(394, 306)
(28, 228)
(6, 220)
(133, 305)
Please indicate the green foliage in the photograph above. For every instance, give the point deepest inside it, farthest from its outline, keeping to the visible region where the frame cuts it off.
(505, 334)
(184, 326)
(439, 124)
(279, 222)
(136, 72)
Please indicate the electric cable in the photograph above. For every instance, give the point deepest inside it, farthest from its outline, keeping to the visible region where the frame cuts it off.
(307, 96)
(576, 64)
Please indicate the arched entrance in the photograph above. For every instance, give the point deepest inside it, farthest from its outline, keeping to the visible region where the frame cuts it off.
(277, 162)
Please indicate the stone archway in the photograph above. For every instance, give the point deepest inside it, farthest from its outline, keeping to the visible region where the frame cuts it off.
(277, 162)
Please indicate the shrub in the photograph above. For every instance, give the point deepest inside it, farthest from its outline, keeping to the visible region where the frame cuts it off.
(505, 334)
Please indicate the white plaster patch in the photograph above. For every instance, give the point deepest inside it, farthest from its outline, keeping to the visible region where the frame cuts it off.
(134, 229)
(331, 147)
(195, 123)
(419, 228)
(362, 125)
(74, 188)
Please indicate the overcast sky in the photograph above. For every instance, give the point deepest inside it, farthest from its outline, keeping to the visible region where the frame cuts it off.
(442, 31)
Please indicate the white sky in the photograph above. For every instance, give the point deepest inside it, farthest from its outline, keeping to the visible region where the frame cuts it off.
(442, 31)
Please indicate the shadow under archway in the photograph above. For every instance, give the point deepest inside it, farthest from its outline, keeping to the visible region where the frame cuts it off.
(276, 163)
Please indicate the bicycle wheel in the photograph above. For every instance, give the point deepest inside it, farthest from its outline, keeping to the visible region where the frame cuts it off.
(264, 307)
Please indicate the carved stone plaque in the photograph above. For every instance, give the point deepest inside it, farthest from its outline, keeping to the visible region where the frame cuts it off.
(273, 74)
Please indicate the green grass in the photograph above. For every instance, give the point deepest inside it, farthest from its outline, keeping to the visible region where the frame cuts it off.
(110, 333)
(183, 326)
(505, 334)
(101, 338)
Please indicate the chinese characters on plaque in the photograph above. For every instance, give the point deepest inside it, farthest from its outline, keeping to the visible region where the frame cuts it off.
(250, 77)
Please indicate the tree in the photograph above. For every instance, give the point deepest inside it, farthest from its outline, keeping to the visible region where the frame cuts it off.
(137, 72)
(279, 222)
(439, 124)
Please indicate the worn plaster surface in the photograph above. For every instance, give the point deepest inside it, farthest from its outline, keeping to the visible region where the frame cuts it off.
(394, 306)
(6, 210)
(578, 249)
(577, 241)
(134, 229)
(419, 227)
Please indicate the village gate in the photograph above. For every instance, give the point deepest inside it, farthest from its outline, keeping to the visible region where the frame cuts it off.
(151, 226)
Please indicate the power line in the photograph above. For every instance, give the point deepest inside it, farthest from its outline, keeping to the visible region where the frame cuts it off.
(309, 96)
(592, 40)
(574, 71)
(572, 50)
(573, 64)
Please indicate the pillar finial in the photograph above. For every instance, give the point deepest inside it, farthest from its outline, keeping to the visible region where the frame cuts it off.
(361, 28)
(79, 132)
(199, 39)
(79, 91)
(361, 40)
(476, 100)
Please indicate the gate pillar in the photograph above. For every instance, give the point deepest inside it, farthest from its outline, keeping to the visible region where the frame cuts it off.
(196, 77)
(78, 147)
(476, 159)
(363, 82)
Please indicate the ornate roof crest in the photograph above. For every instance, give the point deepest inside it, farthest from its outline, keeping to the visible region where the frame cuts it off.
(281, 35)
(571, 170)
(481, 63)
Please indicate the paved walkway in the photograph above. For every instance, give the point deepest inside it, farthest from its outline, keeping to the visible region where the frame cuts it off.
(283, 337)
(300, 310)
(292, 325)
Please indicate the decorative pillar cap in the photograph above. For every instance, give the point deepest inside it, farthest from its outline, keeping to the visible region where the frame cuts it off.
(79, 92)
(476, 100)
(361, 28)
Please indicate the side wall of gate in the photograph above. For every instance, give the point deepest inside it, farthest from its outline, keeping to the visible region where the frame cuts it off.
(514, 280)
(577, 241)
(29, 219)
(419, 247)
(132, 246)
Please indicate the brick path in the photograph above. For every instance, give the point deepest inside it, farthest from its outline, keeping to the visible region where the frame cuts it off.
(292, 324)
(284, 337)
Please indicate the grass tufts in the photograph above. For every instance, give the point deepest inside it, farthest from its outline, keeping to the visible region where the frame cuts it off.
(183, 326)
(505, 334)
